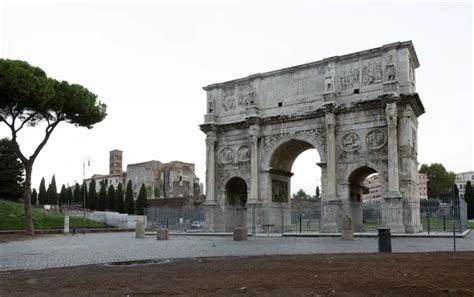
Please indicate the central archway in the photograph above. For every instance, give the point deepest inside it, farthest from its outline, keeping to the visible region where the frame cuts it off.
(283, 211)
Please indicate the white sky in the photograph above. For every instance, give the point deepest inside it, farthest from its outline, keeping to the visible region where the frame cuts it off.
(148, 61)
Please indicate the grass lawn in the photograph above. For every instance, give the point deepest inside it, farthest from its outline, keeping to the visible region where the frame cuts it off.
(12, 217)
(471, 224)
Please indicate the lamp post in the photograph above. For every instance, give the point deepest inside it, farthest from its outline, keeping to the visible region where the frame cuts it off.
(88, 159)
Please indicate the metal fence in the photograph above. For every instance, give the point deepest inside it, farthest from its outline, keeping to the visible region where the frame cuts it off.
(366, 217)
(177, 219)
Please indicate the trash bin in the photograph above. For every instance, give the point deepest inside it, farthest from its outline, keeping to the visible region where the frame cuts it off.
(385, 240)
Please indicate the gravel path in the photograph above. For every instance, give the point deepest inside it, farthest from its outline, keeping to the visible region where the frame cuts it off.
(63, 251)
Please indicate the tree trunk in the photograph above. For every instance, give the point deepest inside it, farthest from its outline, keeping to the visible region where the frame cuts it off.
(26, 194)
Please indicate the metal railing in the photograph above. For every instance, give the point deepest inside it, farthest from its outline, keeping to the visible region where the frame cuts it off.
(366, 217)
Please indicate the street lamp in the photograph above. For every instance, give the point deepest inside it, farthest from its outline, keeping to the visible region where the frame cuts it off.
(88, 158)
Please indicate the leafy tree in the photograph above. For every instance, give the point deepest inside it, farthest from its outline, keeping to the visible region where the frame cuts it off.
(62, 195)
(52, 192)
(110, 203)
(141, 201)
(11, 171)
(440, 180)
(69, 195)
(42, 195)
(119, 205)
(91, 202)
(76, 194)
(34, 197)
(469, 197)
(317, 192)
(102, 196)
(129, 203)
(28, 98)
(301, 194)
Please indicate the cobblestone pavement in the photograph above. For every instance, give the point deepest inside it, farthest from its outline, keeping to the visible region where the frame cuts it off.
(61, 250)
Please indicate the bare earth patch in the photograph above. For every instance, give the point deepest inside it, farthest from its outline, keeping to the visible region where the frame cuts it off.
(405, 274)
(17, 237)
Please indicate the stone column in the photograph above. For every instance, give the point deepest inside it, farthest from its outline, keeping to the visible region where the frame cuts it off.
(392, 143)
(392, 212)
(331, 156)
(210, 168)
(253, 131)
(331, 207)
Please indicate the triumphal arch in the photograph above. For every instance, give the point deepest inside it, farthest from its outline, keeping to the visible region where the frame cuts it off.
(359, 111)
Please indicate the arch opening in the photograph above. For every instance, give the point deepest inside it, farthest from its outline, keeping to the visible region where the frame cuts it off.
(357, 182)
(236, 192)
(294, 172)
(362, 182)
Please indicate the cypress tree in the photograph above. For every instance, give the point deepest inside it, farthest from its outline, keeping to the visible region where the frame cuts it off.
(110, 205)
(69, 195)
(317, 192)
(11, 171)
(141, 201)
(119, 205)
(129, 203)
(62, 195)
(469, 197)
(42, 195)
(91, 202)
(34, 197)
(84, 196)
(52, 192)
(76, 194)
(102, 197)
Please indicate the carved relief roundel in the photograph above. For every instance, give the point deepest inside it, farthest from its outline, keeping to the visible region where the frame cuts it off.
(243, 154)
(227, 155)
(350, 142)
(376, 139)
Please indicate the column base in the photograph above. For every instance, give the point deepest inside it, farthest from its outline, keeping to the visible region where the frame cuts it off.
(392, 212)
(331, 216)
(209, 203)
(212, 217)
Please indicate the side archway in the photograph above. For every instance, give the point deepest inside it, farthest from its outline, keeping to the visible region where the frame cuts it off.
(356, 191)
(236, 191)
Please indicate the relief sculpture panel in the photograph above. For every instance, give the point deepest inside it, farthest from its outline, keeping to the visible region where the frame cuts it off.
(279, 191)
(350, 76)
(372, 71)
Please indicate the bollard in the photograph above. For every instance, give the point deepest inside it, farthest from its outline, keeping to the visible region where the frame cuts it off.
(385, 240)
(347, 233)
(140, 229)
(66, 224)
(240, 233)
(163, 234)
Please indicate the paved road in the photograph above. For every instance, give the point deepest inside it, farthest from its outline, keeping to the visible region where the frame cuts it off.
(60, 250)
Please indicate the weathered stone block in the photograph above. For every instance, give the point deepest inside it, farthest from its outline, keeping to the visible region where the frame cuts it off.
(140, 229)
(163, 234)
(240, 233)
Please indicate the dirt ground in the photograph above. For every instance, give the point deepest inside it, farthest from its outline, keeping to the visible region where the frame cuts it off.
(413, 274)
(17, 236)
